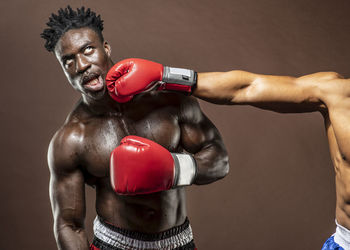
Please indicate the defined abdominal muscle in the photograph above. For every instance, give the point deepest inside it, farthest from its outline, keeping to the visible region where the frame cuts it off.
(147, 213)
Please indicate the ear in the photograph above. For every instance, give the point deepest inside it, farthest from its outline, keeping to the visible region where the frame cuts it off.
(107, 48)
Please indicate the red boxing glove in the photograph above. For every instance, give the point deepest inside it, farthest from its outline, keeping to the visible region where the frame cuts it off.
(133, 76)
(142, 166)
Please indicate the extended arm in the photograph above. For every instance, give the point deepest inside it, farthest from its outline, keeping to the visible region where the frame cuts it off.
(201, 138)
(327, 92)
(276, 93)
(67, 195)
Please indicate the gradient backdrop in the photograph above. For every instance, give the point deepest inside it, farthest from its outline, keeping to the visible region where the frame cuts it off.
(280, 190)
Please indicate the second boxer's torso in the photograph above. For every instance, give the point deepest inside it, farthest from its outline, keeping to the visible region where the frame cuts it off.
(342, 178)
(337, 121)
(100, 134)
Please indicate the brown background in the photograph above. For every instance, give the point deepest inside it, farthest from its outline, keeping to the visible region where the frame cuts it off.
(280, 190)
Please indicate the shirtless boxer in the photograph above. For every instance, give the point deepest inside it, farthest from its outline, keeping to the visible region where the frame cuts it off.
(326, 92)
(160, 142)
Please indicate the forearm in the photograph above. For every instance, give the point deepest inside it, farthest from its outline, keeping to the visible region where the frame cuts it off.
(68, 209)
(221, 87)
(70, 237)
(212, 164)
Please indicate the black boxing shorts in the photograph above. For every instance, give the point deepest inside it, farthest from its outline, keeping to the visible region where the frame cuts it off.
(110, 237)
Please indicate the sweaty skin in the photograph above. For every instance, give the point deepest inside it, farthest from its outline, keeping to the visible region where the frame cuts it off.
(79, 152)
(326, 92)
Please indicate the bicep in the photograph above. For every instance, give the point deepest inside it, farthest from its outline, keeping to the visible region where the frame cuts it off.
(265, 88)
(200, 137)
(197, 131)
(195, 137)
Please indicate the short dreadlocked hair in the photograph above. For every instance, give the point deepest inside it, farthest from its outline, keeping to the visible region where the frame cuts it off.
(70, 19)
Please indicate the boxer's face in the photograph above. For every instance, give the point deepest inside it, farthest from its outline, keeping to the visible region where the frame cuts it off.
(85, 61)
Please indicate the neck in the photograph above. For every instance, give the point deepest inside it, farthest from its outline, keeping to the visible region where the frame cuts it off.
(105, 105)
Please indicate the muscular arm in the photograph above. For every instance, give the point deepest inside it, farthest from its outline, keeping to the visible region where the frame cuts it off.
(201, 138)
(277, 93)
(327, 92)
(67, 193)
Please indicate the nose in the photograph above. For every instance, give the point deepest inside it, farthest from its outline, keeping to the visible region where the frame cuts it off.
(82, 64)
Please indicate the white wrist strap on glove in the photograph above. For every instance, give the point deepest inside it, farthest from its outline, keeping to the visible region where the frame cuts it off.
(185, 169)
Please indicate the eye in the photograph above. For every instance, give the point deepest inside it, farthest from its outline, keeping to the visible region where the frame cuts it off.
(88, 50)
(68, 63)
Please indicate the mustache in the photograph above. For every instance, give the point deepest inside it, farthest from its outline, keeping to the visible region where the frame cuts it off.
(89, 76)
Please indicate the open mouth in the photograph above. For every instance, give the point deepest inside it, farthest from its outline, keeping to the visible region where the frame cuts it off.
(93, 83)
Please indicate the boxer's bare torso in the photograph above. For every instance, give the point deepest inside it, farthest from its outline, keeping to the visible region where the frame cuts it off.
(91, 138)
(79, 152)
(326, 92)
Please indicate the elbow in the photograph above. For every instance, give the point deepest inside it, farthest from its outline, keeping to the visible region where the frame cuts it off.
(213, 172)
(219, 171)
(62, 228)
(221, 166)
(212, 164)
(223, 169)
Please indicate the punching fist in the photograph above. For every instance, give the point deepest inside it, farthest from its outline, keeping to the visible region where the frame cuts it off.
(133, 76)
(142, 166)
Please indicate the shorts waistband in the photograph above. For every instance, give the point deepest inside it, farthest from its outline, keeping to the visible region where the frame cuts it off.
(107, 236)
(342, 236)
